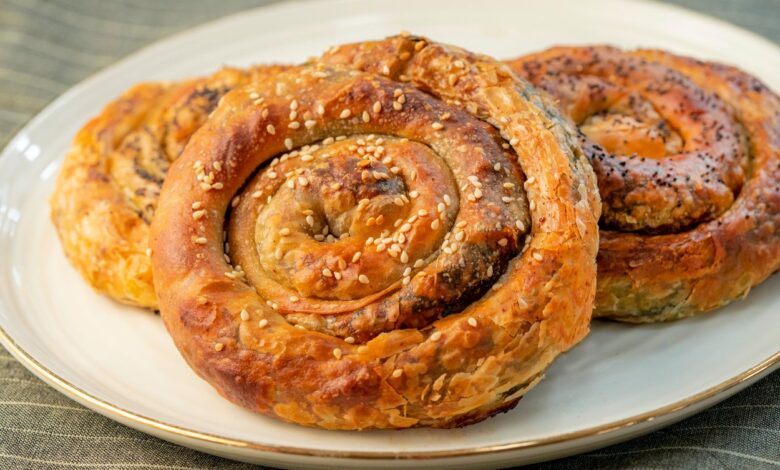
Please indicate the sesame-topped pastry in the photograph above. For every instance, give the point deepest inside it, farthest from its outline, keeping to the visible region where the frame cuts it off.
(107, 189)
(397, 234)
(687, 156)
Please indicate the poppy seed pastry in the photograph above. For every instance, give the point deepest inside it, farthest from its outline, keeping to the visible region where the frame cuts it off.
(687, 156)
(397, 234)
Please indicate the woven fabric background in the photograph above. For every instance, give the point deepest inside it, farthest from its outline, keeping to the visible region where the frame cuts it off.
(48, 46)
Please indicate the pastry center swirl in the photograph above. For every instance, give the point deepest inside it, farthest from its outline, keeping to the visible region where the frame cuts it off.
(351, 218)
(374, 226)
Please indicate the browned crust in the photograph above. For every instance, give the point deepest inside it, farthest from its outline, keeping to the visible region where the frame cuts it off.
(107, 189)
(652, 277)
(451, 372)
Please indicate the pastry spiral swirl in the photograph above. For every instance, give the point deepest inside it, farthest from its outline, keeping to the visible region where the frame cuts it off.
(687, 157)
(105, 195)
(397, 234)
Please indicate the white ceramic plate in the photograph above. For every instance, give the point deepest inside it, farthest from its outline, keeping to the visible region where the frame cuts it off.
(620, 382)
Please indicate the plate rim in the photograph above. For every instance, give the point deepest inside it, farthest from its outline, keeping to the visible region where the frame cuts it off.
(145, 424)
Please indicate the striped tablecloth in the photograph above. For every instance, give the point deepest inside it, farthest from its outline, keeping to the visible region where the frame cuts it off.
(47, 46)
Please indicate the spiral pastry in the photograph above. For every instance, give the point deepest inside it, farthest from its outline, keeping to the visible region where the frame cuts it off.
(405, 240)
(687, 157)
(107, 189)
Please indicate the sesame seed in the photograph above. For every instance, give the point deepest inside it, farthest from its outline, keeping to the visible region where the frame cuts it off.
(303, 181)
(310, 220)
(337, 275)
(356, 256)
(337, 353)
(514, 142)
(503, 242)
(244, 315)
(397, 373)
(288, 143)
(537, 256)
(284, 231)
(520, 225)
(327, 272)
(377, 107)
(532, 205)
(436, 336)
(271, 129)
(418, 263)
(345, 114)
(197, 205)
(380, 248)
(472, 321)
(198, 214)
(447, 199)
(257, 194)
(219, 347)
(320, 109)
(397, 106)
(235, 201)
(437, 126)
(262, 323)
(294, 125)
(363, 279)
(380, 219)
(435, 224)
(478, 193)
(497, 167)
(490, 271)
(385, 70)
(309, 123)
(404, 257)
(201, 240)
(406, 280)
(366, 116)
(349, 340)
(413, 194)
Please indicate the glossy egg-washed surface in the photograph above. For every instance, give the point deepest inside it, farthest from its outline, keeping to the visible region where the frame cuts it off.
(687, 156)
(107, 189)
(396, 234)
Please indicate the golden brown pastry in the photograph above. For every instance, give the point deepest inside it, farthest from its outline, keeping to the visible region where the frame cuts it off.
(405, 241)
(107, 190)
(687, 156)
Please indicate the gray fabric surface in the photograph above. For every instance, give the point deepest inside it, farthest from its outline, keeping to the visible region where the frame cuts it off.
(47, 46)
